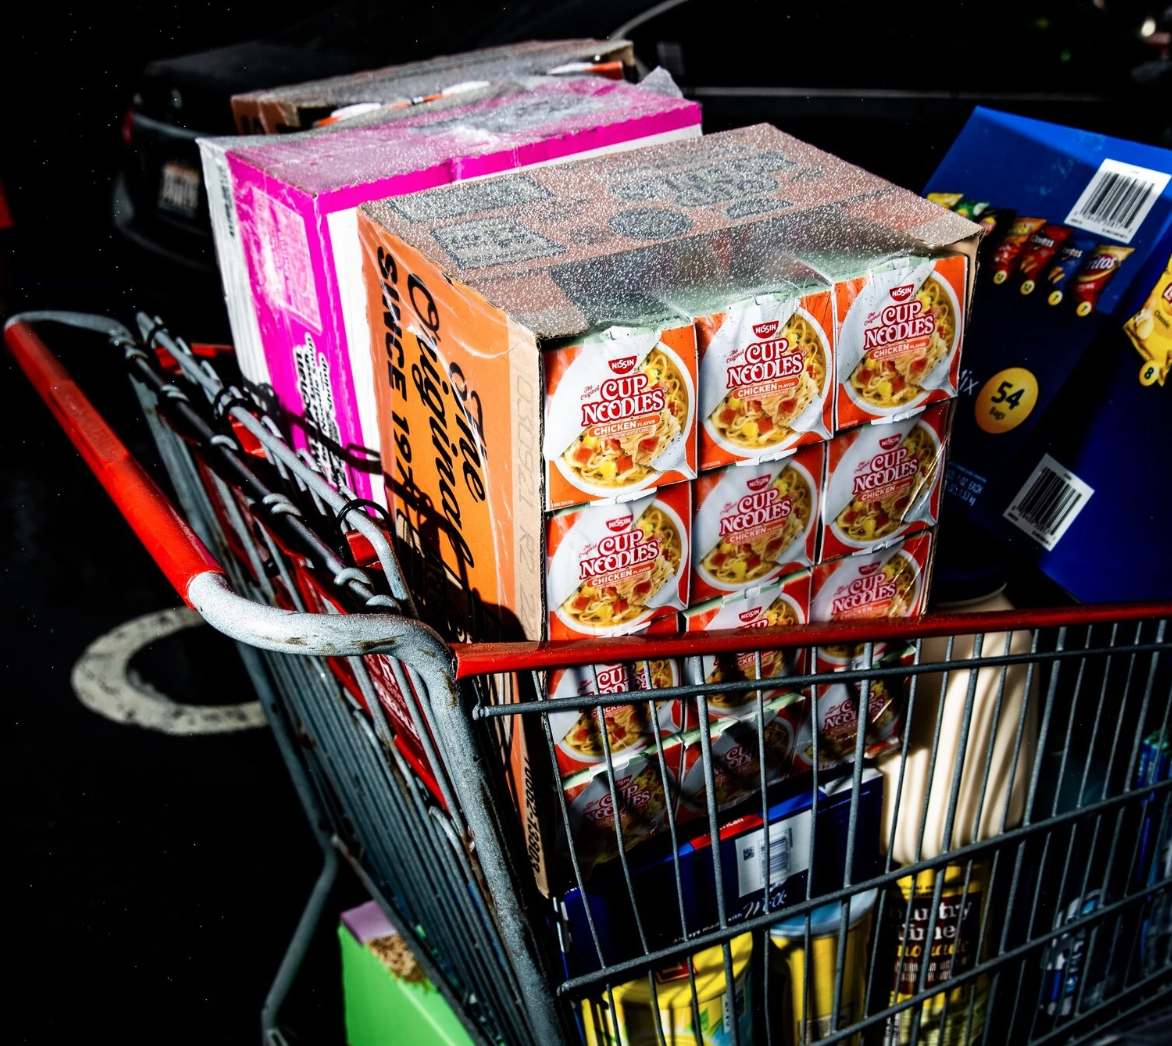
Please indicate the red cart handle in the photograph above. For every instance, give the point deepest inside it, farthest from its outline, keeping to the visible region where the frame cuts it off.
(173, 545)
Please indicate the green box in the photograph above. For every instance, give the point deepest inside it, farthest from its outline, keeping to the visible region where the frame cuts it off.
(382, 1008)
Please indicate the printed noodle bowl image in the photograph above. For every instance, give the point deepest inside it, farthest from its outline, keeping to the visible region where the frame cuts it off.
(730, 563)
(615, 463)
(627, 726)
(594, 609)
(897, 381)
(729, 667)
(757, 424)
(741, 779)
(904, 572)
(863, 522)
(596, 840)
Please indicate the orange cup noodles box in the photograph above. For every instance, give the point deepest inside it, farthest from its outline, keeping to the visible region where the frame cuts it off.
(472, 296)
(754, 523)
(766, 378)
(613, 568)
(620, 413)
(736, 757)
(883, 481)
(899, 338)
(786, 602)
(641, 811)
(629, 728)
(892, 582)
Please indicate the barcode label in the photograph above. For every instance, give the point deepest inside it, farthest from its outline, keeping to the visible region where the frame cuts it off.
(789, 843)
(1117, 200)
(1049, 502)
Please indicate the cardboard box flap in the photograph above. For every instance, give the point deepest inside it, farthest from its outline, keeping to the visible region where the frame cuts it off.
(653, 234)
(297, 106)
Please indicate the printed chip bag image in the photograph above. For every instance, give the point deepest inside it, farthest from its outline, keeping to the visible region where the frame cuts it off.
(614, 568)
(882, 482)
(498, 318)
(751, 524)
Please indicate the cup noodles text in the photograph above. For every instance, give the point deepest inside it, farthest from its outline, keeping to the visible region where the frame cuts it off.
(774, 606)
(837, 712)
(899, 338)
(284, 218)
(643, 796)
(766, 379)
(577, 734)
(754, 523)
(470, 286)
(619, 415)
(892, 582)
(614, 568)
(736, 758)
(883, 481)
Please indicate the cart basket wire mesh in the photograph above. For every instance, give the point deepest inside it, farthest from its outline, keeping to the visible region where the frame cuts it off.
(986, 860)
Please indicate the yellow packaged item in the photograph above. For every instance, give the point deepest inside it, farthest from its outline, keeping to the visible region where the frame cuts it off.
(952, 951)
(787, 955)
(632, 1022)
(1150, 331)
(947, 200)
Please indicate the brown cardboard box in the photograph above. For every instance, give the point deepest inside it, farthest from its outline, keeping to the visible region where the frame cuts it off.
(298, 107)
(469, 293)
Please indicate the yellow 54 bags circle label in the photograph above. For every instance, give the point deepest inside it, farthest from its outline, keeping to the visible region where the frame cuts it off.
(1006, 400)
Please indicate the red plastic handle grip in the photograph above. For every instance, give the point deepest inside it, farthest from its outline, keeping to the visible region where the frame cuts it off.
(159, 525)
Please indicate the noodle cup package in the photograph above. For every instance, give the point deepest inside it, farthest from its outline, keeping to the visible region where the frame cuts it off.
(298, 107)
(736, 757)
(772, 606)
(754, 523)
(892, 582)
(882, 482)
(576, 733)
(620, 413)
(526, 354)
(641, 810)
(613, 568)
(766, 376)
(284, 217)
(837, 712)
(899, 338)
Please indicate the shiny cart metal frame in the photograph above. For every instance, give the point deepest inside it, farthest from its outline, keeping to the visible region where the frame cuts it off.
(444, 853)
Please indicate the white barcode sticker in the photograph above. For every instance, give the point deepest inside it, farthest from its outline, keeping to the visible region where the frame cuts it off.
(1049, 502)
(789, 844)
(1117, 200)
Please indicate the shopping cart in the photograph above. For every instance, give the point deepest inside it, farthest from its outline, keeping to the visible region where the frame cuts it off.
(399, 745)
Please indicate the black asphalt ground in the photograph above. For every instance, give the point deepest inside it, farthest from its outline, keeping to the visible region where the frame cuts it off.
(152, 881)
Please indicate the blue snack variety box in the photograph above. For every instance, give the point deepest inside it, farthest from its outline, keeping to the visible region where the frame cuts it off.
(1062, 443)
(745, 864)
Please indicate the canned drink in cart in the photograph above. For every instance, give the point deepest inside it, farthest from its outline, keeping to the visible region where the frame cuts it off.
(951, 951)
(632, 1021)
(788, 956)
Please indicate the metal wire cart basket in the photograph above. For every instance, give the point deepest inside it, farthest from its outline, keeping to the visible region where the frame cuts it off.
(1000, 874)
